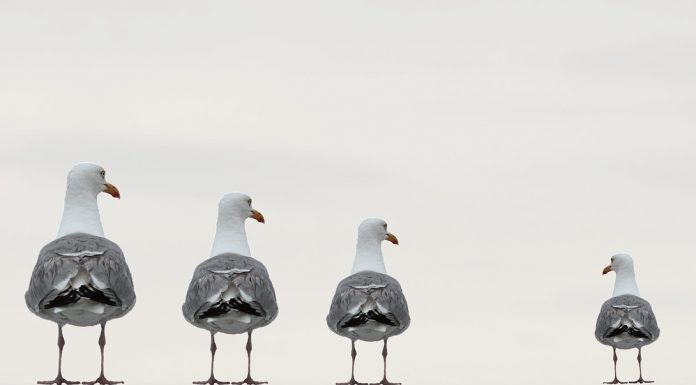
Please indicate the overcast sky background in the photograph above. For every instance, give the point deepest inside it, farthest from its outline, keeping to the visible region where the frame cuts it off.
(512, 146)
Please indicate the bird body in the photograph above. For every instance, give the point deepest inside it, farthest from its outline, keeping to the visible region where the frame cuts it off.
(230, 293)
(626, 322)
(368, 306)
(81, 280)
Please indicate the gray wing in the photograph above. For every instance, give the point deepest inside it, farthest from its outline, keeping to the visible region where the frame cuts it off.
(638, 311)
(112, 271)
(354, 290)
(209, 280)
(61, 259)
(50, 271)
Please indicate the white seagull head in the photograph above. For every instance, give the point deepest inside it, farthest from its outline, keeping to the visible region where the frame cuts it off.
(90, 178)
(619, 264)
(375, 229)
(238, 206)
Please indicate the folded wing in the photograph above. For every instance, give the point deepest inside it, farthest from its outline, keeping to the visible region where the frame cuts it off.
(626, 315)
(368, 297)
(80, 266)
(230, 282)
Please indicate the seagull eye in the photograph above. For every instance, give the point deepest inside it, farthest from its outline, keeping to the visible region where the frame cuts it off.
(385, 226)
(102, 173)
(249, 202)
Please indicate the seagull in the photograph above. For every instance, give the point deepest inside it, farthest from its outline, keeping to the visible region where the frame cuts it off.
(626, 320)
(81, 278)
(369, 305)
(231, 292)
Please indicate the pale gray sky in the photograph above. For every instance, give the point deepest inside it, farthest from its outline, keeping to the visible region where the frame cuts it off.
(512, 147)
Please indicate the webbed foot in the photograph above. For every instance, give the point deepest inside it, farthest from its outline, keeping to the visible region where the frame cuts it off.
(58, 381)
(248, 381)
(102, 381)
(211, 381)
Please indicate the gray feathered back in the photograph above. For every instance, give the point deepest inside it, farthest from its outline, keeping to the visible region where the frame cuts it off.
(204, 284)
(350, 295)
(51, 268)
(640, 312)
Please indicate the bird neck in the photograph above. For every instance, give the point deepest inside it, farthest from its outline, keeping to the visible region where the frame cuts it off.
(80, 214)
(626, 283)
(368, 255)
(230, 237)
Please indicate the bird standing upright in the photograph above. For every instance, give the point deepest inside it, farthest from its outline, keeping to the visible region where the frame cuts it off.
(231, 292)
(368, 304)
(81, 278)
(626, 321)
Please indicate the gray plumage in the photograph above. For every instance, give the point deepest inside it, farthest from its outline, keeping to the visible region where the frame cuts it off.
(62, 259)
(219, 273)
(356, 295)
(626, 322)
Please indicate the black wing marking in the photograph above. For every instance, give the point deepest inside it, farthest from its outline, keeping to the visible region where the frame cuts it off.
(223, 307)
(356, 320)
(633, 332)
(102, 296)
(246, 307)
(65, 298)
(218, 309)
(387, 319)
(372, 315)
(72, 295)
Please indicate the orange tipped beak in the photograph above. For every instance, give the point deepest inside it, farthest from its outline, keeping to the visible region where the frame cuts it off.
(392, 238)
(258, 216)
(112, 190)
(607, 269)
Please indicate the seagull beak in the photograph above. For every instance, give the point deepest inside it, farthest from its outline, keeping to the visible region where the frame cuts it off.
(392, 238)
(112, 190)
(607, 269)
(258, 216)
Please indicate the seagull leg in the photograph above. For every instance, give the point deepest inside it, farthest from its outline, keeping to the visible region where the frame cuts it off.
(59, 378)
(384, 378)
(101, 379)
(248, 380)
(352, 381)
(212, 380)
(640, 379)
(616, 380)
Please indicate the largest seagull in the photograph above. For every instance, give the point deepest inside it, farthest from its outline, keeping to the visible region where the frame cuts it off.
(81, 278)
(368, 304)
(231, 292)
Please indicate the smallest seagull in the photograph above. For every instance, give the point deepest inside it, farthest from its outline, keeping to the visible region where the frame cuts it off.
(626, 321)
